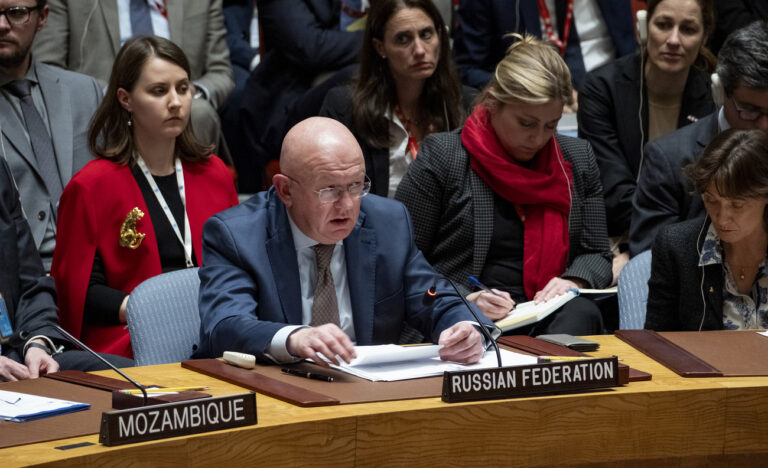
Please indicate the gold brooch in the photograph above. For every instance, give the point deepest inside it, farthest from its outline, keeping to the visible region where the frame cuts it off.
(129, 237)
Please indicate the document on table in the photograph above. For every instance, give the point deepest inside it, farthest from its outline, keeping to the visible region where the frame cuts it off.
(392, 362)
(21, 407)
(530, 312)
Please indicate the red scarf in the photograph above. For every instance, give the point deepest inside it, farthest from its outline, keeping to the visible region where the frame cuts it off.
(540, 195)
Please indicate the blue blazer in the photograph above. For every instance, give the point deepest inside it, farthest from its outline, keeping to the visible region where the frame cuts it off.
(249, 281)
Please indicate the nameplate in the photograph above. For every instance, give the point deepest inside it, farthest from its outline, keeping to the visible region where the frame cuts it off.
(177, 419)
(532, 380)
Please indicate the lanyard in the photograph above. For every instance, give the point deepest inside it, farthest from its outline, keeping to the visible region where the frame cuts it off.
(544, 12)
(185, 241)
(413, 145)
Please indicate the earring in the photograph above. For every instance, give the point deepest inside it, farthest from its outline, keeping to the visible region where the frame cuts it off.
(130, 120)
(383, 57)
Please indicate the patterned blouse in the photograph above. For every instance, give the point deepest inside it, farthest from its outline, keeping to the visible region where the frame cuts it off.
(740, 311)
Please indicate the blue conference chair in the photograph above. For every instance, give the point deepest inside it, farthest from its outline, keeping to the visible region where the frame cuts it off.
(163, 317)
(633, 291)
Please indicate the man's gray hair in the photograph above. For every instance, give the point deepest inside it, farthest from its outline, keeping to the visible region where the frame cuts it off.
(743, 59)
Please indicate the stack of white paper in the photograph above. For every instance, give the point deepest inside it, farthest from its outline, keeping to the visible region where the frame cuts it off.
(21, 407)
(392, 362)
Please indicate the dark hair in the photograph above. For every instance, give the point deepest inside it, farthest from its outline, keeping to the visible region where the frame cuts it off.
(736, 161)
(109, 135)
(374, 90)
(743, 59)
(705, 60)
(41, 3)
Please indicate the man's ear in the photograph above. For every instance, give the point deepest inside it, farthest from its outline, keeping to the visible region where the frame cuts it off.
(283, 188)
(124, 99)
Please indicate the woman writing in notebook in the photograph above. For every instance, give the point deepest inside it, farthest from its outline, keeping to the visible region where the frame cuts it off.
(508, 201)
(138, 209)
(407, 88)
(711, 274)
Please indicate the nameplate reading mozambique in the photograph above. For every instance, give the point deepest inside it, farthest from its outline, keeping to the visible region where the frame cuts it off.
(535, 379)
(177, 419)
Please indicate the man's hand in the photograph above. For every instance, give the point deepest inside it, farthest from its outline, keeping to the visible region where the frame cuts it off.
(327, 339)
(555, 287)
(11, 370)
(39, 363)
(492, 306)
(461, 343)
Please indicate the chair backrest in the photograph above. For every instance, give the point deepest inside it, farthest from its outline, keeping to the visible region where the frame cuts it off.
(163, 317)
(633, 291)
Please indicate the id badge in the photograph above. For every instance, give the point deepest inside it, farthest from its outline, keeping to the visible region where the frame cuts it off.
(6, 330)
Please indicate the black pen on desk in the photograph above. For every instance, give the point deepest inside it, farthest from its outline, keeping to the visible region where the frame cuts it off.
(307, 375)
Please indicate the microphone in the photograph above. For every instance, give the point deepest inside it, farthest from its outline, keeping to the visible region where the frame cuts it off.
(82, 346)
(433, 292)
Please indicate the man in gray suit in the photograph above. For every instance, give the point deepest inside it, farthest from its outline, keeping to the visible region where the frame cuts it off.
(44, 115)
(85, 36)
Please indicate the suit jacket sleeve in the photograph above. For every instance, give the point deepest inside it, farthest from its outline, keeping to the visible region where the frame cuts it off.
(31, 302)
(589, 251)
(298, 34)
(217, 77)
(656, 200)
(50, 45)
(421, 191)
(597, 116)
(228, 298)
(237, 20)
(472, 42)
(663, 286)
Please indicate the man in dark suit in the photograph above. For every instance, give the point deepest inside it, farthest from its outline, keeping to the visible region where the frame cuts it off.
(42, 157)
(312, 251)
(663, 195)
(30, 300)
(479, 42)
(303, 45)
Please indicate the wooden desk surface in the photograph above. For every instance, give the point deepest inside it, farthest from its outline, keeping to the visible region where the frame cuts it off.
(668, 420)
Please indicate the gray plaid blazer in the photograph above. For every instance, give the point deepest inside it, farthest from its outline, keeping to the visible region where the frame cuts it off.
(452, 211)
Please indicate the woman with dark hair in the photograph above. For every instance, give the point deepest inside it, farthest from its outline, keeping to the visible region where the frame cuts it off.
(711, 274)
(638, 98)
(508, 201)
(138, 209)
(407, 88)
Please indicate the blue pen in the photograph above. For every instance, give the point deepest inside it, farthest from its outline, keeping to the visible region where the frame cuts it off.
(483, 287)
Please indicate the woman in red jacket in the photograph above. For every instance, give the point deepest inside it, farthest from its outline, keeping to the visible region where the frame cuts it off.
(137, 210)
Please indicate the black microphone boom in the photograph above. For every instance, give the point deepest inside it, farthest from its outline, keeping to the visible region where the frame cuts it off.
(483, 330)
(82, 346)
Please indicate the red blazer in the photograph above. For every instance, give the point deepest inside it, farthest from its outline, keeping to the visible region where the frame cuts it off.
(92, 209)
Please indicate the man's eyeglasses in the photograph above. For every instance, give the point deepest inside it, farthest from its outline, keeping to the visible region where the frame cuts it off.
(18, 15)
(750, 114)
(332, 194)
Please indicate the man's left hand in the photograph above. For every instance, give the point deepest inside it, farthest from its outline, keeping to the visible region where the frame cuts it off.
(461, 343)
(39, 363)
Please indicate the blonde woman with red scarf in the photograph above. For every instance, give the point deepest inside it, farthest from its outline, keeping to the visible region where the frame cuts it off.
(508, 201)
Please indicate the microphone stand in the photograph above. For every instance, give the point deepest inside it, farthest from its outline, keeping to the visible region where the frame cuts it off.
(82, 346)
(483, 330)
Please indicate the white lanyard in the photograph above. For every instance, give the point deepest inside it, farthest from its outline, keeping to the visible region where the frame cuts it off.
(186, 241)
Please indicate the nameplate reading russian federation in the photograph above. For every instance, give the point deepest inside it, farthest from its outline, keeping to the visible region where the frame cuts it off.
(177, 419)
(536, 379)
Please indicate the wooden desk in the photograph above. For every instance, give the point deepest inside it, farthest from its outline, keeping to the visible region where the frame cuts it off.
(667, 420)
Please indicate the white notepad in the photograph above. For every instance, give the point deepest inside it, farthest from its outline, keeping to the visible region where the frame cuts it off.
(21, 407)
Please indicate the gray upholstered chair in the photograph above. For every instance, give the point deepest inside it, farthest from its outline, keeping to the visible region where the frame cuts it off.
(633, 291)
(163, 317)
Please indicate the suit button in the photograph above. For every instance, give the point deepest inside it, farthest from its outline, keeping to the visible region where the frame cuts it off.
(41, 215)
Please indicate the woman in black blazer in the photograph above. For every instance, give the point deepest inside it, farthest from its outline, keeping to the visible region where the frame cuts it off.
(710, 274)
(621, 109)
(407, 88)
(506, 200)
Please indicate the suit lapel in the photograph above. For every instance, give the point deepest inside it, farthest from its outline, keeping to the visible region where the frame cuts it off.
(176, 21)
(59, 119)
(482, 208)
(13, 133)
(282, 261)
(112, 20)
(360, 253)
